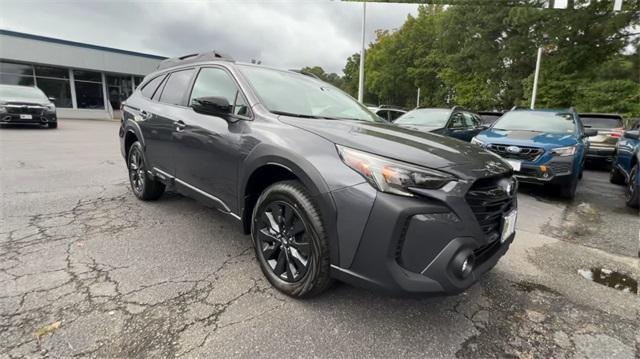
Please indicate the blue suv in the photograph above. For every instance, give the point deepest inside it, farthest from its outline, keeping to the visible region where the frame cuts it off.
(542, 146)
(625, 165)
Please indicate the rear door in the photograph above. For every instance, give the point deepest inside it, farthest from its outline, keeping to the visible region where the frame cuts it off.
(144, 114)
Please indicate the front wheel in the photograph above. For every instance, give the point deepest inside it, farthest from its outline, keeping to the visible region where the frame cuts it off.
(615, 176)
(632, 192)
(290, 240)
(144, 187)
(569, 190)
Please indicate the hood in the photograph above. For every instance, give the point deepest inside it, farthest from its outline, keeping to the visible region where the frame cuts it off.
(421, 148)
(545, 140)
(15, 100)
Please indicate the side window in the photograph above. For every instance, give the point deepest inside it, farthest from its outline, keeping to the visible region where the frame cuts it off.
(393, 115)
(150, 88)
(176, 88)
(469, 121)
(457, 121)
(214, 82)
(383, 113)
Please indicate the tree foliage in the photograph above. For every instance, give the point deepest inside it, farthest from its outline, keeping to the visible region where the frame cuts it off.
(483, 57)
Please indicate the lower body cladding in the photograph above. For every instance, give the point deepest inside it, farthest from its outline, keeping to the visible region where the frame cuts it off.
(422, 245)
(16, 118)
(557, 171)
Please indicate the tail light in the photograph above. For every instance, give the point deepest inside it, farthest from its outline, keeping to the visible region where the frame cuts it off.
(618, 133)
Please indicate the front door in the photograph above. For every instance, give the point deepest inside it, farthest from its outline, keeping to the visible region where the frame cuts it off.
(208, 147)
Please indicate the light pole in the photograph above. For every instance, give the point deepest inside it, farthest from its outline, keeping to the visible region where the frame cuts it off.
(361, 74)
(535, 79)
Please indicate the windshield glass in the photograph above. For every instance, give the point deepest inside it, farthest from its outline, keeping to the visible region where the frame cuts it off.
(602, 122)
(425, 117)
(21, 93)
(292, 94)
(537, 121)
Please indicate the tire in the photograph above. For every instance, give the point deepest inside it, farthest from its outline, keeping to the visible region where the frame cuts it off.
(569, 190)
(632, 192)
(287, 231)
(142, 185)
(53, 125)
(615, 176)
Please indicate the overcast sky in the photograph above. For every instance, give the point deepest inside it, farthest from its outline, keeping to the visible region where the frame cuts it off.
(288, 34)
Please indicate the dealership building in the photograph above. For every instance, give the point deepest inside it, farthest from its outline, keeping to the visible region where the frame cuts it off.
(86, 81)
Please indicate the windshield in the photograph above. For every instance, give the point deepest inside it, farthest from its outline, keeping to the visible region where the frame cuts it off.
(425, 117)
(536, 121)
(21, 93)
(292, 94)
(602, 122)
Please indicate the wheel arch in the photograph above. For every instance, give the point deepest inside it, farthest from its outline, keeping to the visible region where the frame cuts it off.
(261, 171)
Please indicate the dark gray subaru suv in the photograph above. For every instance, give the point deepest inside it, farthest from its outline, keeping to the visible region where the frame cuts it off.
(325, 187)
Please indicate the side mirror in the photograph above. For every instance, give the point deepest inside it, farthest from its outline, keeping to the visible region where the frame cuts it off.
(634, 135)
(215, 106)
(588, 132)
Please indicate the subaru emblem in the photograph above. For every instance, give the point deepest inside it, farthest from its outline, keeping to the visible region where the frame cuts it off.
(513, 149)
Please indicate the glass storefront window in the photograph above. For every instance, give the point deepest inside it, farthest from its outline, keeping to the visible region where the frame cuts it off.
(89, 95)
(59, 89)
(55, 72)
(15, 68)
(119, 88)
(9, 79)
(88, 89)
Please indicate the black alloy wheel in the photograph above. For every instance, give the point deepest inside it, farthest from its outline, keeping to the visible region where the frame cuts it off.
(136, 171)
(290, 240)
(283, 240)
(632, 192)
(144, 186)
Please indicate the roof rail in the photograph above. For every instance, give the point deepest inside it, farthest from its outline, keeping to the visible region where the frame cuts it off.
(198, 57)
(393, 107)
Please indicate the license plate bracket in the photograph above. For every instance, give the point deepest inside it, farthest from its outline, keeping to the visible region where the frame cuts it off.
(26, 117)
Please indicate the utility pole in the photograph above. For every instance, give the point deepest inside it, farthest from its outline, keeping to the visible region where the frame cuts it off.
(535, 79)
(361, 75)
(418, 98)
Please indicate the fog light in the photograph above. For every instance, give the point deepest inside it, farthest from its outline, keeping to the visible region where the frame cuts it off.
(463, 264)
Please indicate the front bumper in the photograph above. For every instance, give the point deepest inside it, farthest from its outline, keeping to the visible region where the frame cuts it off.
(411, 245)
(559, 170)
(44, 118)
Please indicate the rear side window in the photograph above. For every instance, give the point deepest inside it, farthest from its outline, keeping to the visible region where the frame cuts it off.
(601, 122)
(151, 86)
(177, 87)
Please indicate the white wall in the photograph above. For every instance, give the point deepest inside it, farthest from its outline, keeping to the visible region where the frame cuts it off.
(48, 53)
(82, 113)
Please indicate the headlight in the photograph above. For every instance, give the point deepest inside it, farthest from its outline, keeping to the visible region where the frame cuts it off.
(564, 151)
(476, 141)
(391, 176)
(51, 107)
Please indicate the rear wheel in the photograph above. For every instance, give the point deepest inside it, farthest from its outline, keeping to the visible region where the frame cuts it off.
(615, 176)
(632, 192)
(290, 240)
(143, 186)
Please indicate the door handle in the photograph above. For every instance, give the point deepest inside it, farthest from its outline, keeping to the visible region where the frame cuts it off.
(180, 125)
(145, 115)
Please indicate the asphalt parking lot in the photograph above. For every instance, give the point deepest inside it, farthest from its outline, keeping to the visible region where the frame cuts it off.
(87, 270)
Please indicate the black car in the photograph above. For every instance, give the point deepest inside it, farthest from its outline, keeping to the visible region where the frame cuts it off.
(456, 122)
(325, 187)
(26, 105)
(489, 117)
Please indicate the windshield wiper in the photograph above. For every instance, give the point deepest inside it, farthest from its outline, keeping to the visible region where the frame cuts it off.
(300, 115)
(291, 114)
